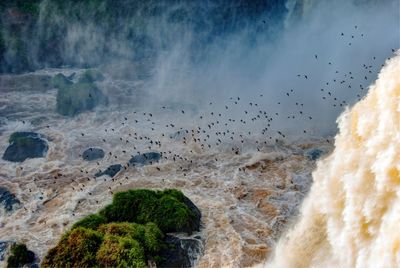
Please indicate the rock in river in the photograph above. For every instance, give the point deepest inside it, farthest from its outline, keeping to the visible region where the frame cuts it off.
(24, 145)
(145, 159)
(110, 171)
(93, 154)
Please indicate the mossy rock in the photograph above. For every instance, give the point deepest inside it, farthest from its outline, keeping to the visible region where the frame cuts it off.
(90, 76)
(20, 255)
(92, 221)
(77, 248)
(128, 233)
(166, 208)
(24, 145)
(76, 98)
(116, 251)
(60, 81)
(149, 235)
(111, 245)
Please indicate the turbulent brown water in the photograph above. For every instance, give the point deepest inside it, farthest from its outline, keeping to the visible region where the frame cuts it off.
(350, 218)
(246, 199)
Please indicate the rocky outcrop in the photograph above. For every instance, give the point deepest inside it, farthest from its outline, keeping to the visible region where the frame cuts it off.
(132, 231)
(24, 145)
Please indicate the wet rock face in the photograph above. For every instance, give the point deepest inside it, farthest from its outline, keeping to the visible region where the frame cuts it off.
(8, 200)
(180, 252)
(110, 171)
(145, 159)
(195, 224)
(93, 154)
(24, 145)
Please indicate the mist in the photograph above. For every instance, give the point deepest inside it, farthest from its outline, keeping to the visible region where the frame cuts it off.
(193, 54)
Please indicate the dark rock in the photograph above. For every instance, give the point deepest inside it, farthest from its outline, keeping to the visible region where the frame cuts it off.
(145, 159)
(8, 200)
(110, 171)
(180, 252)
(76, 98)
(20, 256)
(195, 224)
(4, 249)
(93, 154)
(25, 145)
(314, 154)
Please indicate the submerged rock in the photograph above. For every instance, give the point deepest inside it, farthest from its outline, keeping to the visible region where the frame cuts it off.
(93, 154)
(110, 171)
(145, 159)
(314, 154)
(25, 145)
(8, 200)
(180, 252)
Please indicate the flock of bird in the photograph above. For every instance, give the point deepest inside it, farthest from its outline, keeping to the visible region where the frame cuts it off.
(219, 125)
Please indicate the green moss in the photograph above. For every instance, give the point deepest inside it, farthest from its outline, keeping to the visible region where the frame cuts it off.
(165, 208)
(153, 238)
(76, 249)
(149, 235)
(118, 251)
(133, 206)
(92, 221)
(172, 215)
(20, 255)
(133, 230)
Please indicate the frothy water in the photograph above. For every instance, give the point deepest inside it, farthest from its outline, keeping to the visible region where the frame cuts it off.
(350, 218)
(245, 188)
